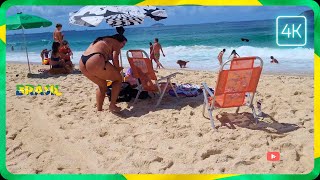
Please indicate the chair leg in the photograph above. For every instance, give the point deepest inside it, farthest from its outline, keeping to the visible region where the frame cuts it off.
(136, 99)
(204, 109)
(254, 114)
(237, 111)
(162, 93)
(211, 117)
(160, 98)
(206, 103)
(174, 89)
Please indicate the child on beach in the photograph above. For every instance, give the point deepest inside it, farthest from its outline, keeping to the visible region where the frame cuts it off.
(273, 60)
(156, 52)
(220, 55)
(45, 56)
(44, 53)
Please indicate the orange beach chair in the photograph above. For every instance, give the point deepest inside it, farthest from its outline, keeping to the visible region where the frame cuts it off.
(142, 69)
(236, 86)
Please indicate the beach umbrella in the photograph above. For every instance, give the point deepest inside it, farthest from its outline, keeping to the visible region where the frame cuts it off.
(115, 16)
(26, 21)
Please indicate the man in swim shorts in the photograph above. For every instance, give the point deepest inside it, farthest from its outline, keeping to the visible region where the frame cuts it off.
(156, 52)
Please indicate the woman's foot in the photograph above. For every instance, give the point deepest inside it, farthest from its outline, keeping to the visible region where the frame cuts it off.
(114, 108)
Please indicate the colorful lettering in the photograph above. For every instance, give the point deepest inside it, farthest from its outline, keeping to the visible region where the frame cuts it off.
(19, 90)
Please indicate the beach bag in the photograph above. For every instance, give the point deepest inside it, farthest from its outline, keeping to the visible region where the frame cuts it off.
(143, 94)
(186, 90)
(125, 92)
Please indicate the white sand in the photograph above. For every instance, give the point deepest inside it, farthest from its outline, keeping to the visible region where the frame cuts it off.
(50, 134)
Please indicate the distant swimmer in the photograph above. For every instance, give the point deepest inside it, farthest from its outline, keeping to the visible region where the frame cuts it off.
(244, 39)
(234, 53)
(220, 55)
(12, 49)
(274, 60)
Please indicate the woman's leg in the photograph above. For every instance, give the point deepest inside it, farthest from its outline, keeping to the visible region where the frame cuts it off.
(161, 65)
(111, 73)
(100, 92)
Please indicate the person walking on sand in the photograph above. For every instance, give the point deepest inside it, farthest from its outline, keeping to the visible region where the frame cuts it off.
(274, 60)
(95, 65)
(156, 52)
(220, 55)
(235, 54)
(57, 35)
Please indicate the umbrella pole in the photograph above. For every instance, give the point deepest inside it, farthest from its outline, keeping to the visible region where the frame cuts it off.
(25, 43)
(121, 66)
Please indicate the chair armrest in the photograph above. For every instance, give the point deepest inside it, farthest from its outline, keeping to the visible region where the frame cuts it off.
(169, 76)
(206, 88)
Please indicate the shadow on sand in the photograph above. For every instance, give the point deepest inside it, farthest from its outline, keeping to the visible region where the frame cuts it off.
(143, 107)
(45, 75)
(246, 120)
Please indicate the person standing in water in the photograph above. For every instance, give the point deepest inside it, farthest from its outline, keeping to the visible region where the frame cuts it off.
(95, 65)
(57, 35)
(156, 52)
(274, 60)
(235, 54)
(220, 55)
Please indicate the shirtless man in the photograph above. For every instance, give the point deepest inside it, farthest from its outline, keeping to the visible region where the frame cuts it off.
(156, 52)
(220, 56)
(57, 35)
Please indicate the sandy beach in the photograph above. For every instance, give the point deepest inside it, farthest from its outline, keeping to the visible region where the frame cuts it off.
(51, 134)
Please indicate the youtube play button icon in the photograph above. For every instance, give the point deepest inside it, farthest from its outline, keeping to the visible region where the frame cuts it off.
(273, 156)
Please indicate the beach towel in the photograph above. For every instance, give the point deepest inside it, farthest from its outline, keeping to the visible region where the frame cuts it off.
(187, 90)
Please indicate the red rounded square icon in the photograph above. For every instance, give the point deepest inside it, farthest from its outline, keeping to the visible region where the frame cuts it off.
(273, 156)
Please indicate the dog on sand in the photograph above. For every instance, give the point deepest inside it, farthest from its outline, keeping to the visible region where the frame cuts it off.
(182, 63)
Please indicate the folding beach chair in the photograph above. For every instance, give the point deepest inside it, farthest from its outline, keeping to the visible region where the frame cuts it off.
(236, 86)
(142, 70)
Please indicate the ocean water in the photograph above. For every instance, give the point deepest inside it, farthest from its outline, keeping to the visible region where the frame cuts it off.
(199, 44)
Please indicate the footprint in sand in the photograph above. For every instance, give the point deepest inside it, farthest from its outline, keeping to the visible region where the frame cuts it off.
(246, 163)
(209, 153)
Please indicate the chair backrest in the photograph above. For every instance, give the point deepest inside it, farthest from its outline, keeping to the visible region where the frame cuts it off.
(241, 76)
(142, 69)
(137, 53)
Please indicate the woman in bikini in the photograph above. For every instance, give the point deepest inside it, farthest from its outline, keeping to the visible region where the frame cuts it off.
(95, 65)
(56, 61)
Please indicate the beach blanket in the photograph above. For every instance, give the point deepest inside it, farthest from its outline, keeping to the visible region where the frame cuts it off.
(187, 90)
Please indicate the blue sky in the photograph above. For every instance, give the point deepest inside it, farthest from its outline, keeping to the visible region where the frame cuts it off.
(176, 15)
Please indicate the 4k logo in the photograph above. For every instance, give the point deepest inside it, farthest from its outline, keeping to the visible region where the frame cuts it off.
(291, 30)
